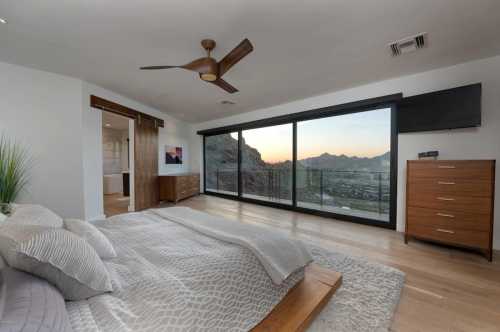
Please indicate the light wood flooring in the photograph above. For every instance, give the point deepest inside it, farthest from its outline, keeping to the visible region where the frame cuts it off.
(446, 289)
(115, 204)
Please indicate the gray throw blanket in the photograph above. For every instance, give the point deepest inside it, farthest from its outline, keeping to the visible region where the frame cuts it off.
(279, 255)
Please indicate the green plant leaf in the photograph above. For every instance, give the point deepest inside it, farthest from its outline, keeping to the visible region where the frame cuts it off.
(14, 169)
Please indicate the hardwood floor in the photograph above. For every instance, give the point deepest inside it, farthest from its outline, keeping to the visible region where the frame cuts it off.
(115, 204)
(446, 289)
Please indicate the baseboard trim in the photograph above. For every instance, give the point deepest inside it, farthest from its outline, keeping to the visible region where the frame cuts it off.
(99, 217)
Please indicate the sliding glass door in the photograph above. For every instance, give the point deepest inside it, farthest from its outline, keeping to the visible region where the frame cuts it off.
(343, 164)
(266, 163)
(221, 163)
(338, 164)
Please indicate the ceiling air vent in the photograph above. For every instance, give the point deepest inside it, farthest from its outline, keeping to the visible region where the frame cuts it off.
(408, 44)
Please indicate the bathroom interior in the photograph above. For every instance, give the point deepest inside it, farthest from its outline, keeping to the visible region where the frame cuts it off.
(116, 149)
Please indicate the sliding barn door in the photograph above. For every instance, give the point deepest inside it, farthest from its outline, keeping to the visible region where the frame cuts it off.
(146, 163)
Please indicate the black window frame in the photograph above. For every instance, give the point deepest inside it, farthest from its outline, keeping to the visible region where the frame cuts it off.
(294, 149)
(389, 101)
(238, 183)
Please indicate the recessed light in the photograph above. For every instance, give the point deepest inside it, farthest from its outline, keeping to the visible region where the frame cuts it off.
(3, 21)
(108, 125)
(227, 102)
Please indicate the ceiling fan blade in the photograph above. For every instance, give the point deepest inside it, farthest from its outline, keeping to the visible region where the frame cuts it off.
(158, 67)
(233, 57)
(224, 85)
(202, 65)
(198, 65)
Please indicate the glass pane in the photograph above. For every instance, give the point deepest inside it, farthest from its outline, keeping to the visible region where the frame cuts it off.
(343, 164)
(266, 163)
(221, 160)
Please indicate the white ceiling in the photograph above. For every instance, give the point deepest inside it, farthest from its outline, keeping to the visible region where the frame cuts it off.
(302, 48)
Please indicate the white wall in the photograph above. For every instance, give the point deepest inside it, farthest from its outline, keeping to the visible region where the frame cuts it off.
(125, 149)
(114, 148)
(476, 143)
(175, 132)
(51, 115)
(43, 112)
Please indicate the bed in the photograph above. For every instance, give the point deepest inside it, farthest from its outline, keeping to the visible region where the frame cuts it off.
(178, 269)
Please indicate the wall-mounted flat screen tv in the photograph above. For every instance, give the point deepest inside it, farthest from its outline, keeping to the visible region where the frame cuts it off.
(173, 154)
(447, 109)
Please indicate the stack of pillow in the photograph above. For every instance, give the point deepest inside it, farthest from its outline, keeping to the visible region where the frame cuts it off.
(45, 259)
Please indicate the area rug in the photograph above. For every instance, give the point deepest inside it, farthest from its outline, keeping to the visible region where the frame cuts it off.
(367, 299)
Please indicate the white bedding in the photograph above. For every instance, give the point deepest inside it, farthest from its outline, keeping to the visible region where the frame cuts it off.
(279, 255)
(168, 277)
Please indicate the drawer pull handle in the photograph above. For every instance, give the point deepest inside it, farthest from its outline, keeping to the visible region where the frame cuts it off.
(446, 183)
(445, 215)
(446, 166)
(445, 231)
(446, 199)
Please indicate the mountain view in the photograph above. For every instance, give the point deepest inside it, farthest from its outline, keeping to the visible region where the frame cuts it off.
(328, 181)
(343, 162)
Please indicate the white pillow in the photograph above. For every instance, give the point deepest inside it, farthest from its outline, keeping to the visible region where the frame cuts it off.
(30, 214)
(92, 235)
(58, 256)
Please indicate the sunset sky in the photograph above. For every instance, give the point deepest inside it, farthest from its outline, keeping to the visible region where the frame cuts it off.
(365, 134)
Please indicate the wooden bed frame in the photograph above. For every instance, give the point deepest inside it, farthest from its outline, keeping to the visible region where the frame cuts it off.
(303, 302)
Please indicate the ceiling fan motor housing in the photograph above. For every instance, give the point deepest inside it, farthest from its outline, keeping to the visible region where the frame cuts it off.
(210, 70)
(212, 67)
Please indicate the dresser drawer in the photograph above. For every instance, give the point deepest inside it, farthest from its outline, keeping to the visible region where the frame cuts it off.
(194, 181)
(193, 191)
(469, 204)
(448, 219)
(453, 169)
(179, 186)
(182, 180)
(183, 194)
(451, 235)
(458, 187)
(182, 186)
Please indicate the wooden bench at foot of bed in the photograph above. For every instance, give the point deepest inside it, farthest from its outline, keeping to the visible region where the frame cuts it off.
(303, 302)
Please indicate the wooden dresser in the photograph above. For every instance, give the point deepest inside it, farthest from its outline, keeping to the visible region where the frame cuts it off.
(451, 201)
(174, 187)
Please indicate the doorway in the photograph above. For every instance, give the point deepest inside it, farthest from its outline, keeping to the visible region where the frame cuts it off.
(118, 163)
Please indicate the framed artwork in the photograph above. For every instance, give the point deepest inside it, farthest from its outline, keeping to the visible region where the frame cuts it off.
(173, 154)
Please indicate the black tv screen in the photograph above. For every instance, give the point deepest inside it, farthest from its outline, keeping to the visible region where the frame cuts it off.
(446, 109)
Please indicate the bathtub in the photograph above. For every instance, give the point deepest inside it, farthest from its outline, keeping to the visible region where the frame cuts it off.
(113, 183)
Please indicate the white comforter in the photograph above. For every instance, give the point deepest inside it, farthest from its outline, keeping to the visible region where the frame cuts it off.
(168, 277)
(280, 255)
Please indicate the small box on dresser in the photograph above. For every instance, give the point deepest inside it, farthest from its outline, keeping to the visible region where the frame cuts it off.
(174, 187)
(451, 201)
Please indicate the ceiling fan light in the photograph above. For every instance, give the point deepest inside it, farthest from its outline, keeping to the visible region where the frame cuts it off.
(209, 77)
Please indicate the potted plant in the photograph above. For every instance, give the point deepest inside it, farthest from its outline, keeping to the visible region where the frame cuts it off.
(14, 166)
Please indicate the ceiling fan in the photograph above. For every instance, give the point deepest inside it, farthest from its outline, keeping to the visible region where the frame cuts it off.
(209, 69)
